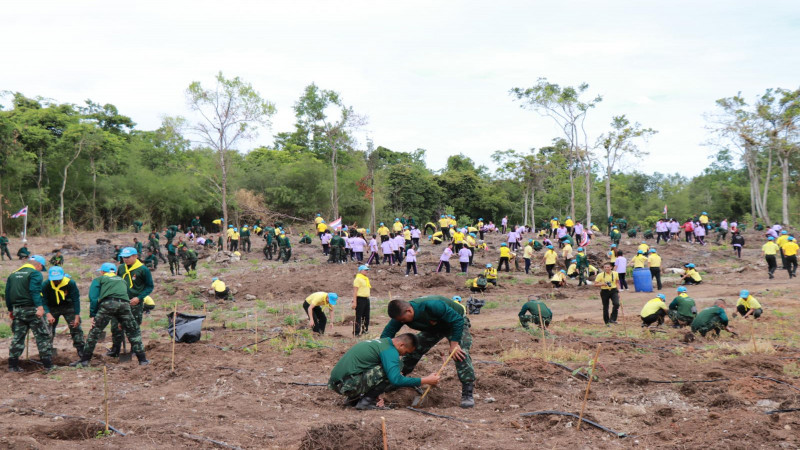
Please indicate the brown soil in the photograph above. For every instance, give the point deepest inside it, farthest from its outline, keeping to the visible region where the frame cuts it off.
(221, 392)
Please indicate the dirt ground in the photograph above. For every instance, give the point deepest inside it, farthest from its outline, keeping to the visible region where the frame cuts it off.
(654, 389)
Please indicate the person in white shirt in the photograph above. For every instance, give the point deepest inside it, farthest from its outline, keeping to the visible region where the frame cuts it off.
(357, 244)
(411, 261)
(373, 249)
(386, 249)
(512, 239)
(444, 260)
(621, 267)
(326, 242)
(400, 243)
(463, 257)
(415, 234)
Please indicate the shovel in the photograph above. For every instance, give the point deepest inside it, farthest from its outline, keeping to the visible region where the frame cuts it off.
(418, 399)
(124, 356)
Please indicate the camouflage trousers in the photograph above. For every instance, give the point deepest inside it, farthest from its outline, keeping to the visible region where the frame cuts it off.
(174, 264)
(285, 254)
(357, 385)
(427, 340)
(678, 319)
(114, 309)
(68, 313)
(116, 330)
(268, 251)
(534, 319)
(24, 319)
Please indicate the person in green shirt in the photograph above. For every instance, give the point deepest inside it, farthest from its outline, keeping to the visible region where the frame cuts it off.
(436, 317)
(189, 257)
(23, 252)
(139, 282)
(151, 261)
(138, 246)
(64, 300)
(137, 226)
(108, 298)
(615, 235)
(712, 319)
(172, 256)
(57, 259)
(286, 248)
(337, 248)
(244, 239)
(23, 295)
(533, 307)
(682, 309)
(371, 367)
(195, 224)
(4, 247)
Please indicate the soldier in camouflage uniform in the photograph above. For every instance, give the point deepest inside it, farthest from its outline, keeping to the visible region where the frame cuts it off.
(286, 248)
(189, 257)
(437, 318)
(26, 310)
(63, 299)
(108, 298)
(371, 367)
(139, 283)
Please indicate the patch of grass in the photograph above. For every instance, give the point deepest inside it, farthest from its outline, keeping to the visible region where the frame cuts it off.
(195, 301)
(235, 308)
(170, 289)
(154, 336)
(5, 331)
(746, 348)
(792, 369)
(273, 310)
(559, 354)
(291, 320)
(261, 304)
(237, 325)
(491, 305)
(192, 275)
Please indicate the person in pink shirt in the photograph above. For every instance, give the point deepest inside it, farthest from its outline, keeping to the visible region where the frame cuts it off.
(444, 260)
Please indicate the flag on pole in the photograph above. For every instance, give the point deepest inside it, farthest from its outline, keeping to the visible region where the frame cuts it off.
(665, 210)
(336, 224)
(584, 239)
(22, 212)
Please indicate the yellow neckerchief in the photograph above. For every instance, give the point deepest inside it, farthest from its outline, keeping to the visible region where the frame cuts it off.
(26, 266)
(683, 294)
(109, 274)
(366, 280)
(128, 271)
(60, 295)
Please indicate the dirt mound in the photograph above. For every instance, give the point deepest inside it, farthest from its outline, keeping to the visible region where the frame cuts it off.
(334, 436)
(435, 280)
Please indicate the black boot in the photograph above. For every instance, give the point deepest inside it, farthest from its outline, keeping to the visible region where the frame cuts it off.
(143, 361)
(13, 365)
(83, 362)
(466, 395)
(370, 399)
(114, 351)
(48, 364)
(80, 352)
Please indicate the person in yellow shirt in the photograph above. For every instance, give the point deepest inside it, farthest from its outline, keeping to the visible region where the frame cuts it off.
(692, 276)
(747, 305)
(704, 219)
(318, 220)
(235, 240)
(444, 222)
(220, 290)
(505, 257)
(654, 311)
(316, 316)
(608, 281)
(527, 254)
(361, 291)
(790, 254)
(770, 250)
(570, 224)
(554, 227)
(490, 273)
(458, 240)
(566, 253)
(780, 241)
(654, 262)
(612, 254)
(321, 227)
(644, 247)
(639, 260)
(572, 270)
(397, 226)
(550, 258)
(559, 279)
(383, 232)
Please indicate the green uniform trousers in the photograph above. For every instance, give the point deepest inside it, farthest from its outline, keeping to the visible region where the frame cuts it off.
(357, 385)
(117, 331)
(25, 319)
(427, 340)
(532, 318)
(678, 319)
(68, 313)
(120, 310)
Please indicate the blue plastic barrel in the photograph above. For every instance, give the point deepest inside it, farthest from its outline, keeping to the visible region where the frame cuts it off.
(642, 280)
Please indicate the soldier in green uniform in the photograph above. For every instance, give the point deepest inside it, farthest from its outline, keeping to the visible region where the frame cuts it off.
(108, 299)
(155, 246)
(244, 239)
(63, 299)
(533, 308)
(269, 235)
(4, 247)
(137, 226)
(682, 310)
(195, 224)
(370, 367)
(623, 224)
(151, 262)
(189, 257)
(23, 252)
(286, 248)
(139, 284)
(582, 264)
(436, 318)
(57, 259)
(26, 310)
(172, 256)
(138, 246)
(615, 235)
(337, 248)
(712, 319)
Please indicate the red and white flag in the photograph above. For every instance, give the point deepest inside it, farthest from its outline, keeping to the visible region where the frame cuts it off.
(584, 239)
(22, 212)
(336, 224)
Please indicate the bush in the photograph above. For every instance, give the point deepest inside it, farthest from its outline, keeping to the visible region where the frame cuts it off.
(5, 331)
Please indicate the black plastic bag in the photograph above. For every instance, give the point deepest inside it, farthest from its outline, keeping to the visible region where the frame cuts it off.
(474, 305)
(189, 327)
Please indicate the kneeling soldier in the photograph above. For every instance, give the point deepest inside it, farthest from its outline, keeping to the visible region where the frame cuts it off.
(533, 307)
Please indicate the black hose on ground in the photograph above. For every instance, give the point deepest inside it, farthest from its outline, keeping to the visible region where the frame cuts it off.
(777, 381)
(688, 381)
(427, 413)
(580, 374)
(776, 411)
(562, 413)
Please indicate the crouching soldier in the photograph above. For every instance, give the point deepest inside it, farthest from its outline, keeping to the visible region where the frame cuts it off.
(371, 367)
(436, 318)
(64, 300)
(712, 319)
(535, 307)
(108, 298)
(682, 310)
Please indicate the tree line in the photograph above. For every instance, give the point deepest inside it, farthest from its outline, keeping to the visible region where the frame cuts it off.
(87, 167)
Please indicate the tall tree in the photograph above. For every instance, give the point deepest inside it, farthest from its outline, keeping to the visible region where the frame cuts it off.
(565, 106)
(529, 169)
(330, 123)
(619, 143)
(231, 111)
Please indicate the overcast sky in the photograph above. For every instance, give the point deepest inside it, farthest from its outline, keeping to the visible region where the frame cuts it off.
(431, 75)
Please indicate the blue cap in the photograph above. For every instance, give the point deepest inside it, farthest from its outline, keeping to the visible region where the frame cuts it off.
(691, 265)
(704, 213)
(128, 251)
(681, 289)
(641, 252)
(39, 259)
(457, 298)
(563, 271)
(381, 223)
(784, 232)
(107, 267)
(230, 226)
(214, 279)
(56, 274)
(568, 217)
(363, 267)
(235, 229)
(550, 247)
(332, 297)
(489, 266)
(613, 245)
(770, 238)
(580, 249)
(503, 245)
(574, 261)
(661, 296)
(744, 293)
(652, 250)
(319, 215)
(396, 219)
(442, 216)
(790, 238)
